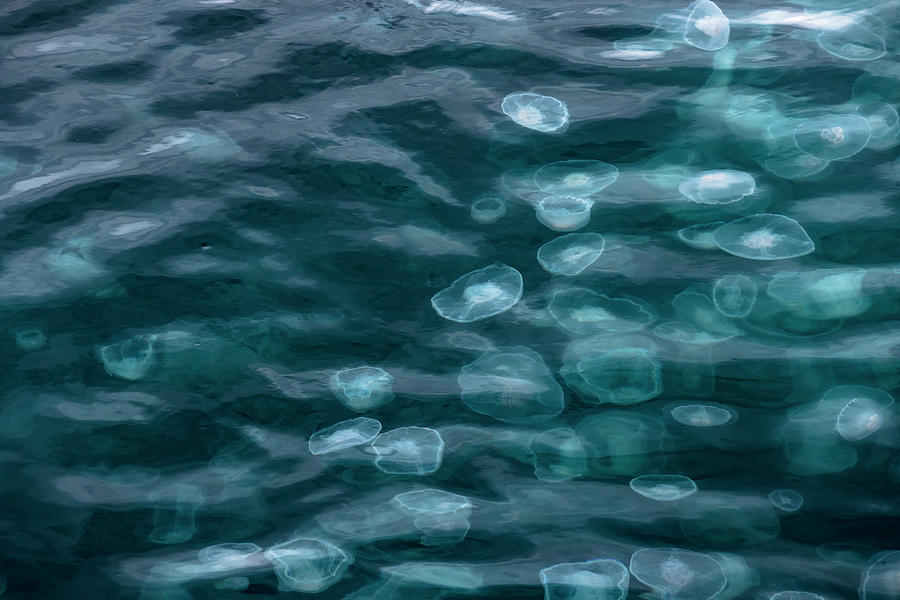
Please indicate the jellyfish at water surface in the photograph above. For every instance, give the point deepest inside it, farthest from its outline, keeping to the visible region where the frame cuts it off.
(571, 254)
(718, 187)
(580, 311)
(487, 210)
(534, 111)
(575, 177)
(702, 415)
(442, 517)
(557, 455)
(663, 488)
(363, 388)
(131, 358)
(707, 27)
(564, 213)
(623, 376)
(678, 574)
(833, 137)
(854, 42)
(479, 294)
(881, 579)
(821, 294)
(600, 579)
(409, 451)
(764, 236)
(343, 435)
(308, 565)
(786, 500)
(734, 295)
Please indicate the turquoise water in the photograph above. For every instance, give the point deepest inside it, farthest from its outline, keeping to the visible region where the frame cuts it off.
(435, 298)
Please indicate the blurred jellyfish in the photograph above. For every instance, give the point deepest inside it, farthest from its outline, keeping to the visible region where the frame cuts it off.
(409, 451)
(700, 236)
(764, 236)
(884, 123)
(343, 435)
(363, 388)
(479, 294)
(557, 455)
(687, 333)
(541, 113)
(833, 137)
(723, 520)
(861, 410)
(738, 575)
(697, 309)
(664, 488)
(308, 565)
(571, 254)
(851, 554)
(131, 358)
(853, 42)
(442, 575)
(795, 595)
(72, 262)
(228, 553)
(811, 443)
(487, 210)
(512, 385)
(575, 177)
(701, 415)
(678, 574)
(197, 145)
(623, 376)
(30, 339)
(786, 500)
(880, 579)
(619, 443)
(173, 519)
(707, 26)
(581, 310)
(666, 169)
(749, 113)
(564, 213)
(734, 295)
(821, 294)
(718, 187)
(600, 579)
(237, 584)
(442, 517)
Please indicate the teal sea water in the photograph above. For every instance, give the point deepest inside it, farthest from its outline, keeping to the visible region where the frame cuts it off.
(418, 299)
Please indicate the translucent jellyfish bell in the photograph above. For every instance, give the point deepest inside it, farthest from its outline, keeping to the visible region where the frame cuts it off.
(30, 339)
(718, 187)
(564, 213)
(441, 516)
(707, 27)
(882, 118)
(764, 236)
(624, 376)
(130, 359)
(487, 210)
(363, 388)
(786, 500)
(700, 236)
(512, 385)
(479, 294)
(575, 177)
(821, 293)
(795, 595)
(833, 137)
(853, 42)
(879, 580)
(701, 415)
(601, 579)
(308, 565)
(557, 455)
(409, 451)
(664, 488)
(678, 574)
(734, 295)
(571, 254)
(619, 443)
(581, 310)
(862, 410)
(534, 111)
(343, 435)
(173, 519)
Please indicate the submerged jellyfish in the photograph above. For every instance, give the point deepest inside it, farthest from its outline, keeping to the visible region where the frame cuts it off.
(699, 310)
(363, 388)
(664, 488)
(512, 385)
(601, 579)
(534, 111)
(734, 295)
(409, 451)
(678, 574)
(30, 339)
(442, 517)
(811, 443)
(308, 565)
(861, 411)
(738, 575)
(228, 553)
(881, 578)
(764, 236)
(884, 123)
(343, 435)
(575, 177)
(707, 26)
(624, 376)
(479, 294)
(833, 137)
(700, 236)
(557, 455)
(718, 187)
(564, 213)
(174, 517)
(443, 575)
(581, 310)
(571, 254)
(619, 443)
(795, 595)
(853, 42)
(487, 210)
(786, 500)
(821, 293)
(701, 415)
(722, 520)
(131, 358)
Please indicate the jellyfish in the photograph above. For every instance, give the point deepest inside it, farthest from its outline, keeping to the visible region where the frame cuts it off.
(821, 294)
(881, 578)
(173, 520)
(442, 517)
(665, 170)
(795, 595)
(131, 358)
(479, 294)
(884, 123)
(718, 187)
(73, 263)
(764, 236)
(833, 137)
(620, 443)
(228, 553)
(409, 451)
(678, 574)
(512, 385)
(363, 388)
(197, 145)
(811, 443)
(697, 309)
(534, 111)
(579, 310)
(700, 236)
(854, 42)
(443, 575)
(575, 177)
(687, 333)
(564, 213)
(707, 26)
(308, 565)
(738, 575)
(734, 295)
(861, 411)
(343, 435)
(723, 520)
(623, 376)
(701, 415)
(786, 500)
(557, 455)
(30, 339)
(600, 579)
(487, 210)
(850, 554)
(664, 488)
(571, 254)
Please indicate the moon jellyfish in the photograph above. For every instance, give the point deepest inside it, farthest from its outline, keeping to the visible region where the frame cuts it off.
(575, 177)
(794, 595)
(678, 574)
(72, 262)
(697, 309)
(728, 520)
(764, 236)
(409, 451)
(30, 339)
(479, 294)
(664, 488)
(700, 236)
(363, 388)
(571, 254)
(534, 111)
(173, 520)
(557, 455)
(601, 579)
(718, 187)
(228, 553)
(619, 443)
(853, 42)
(343, 435)
(487, 210)
(442, 517)
(707, 26)
(881, 579)
(624, 376)
(833, 137)
(131, 358)
(579, 310)
(738, 575)
(734, 295)
(564, 213)
(850, 554)
(862, 410)
(821, 294)
(701, 415)
(307, 565)
(811, 443)
(511, 385)
(786, 500)
(884, 123)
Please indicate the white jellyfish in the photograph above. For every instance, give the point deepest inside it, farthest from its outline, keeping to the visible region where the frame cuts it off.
(308, 565)
(707, 27)
(884, 123)
(701, 415)
(687, 333)
(575, 177)
(564, 213)
(623, 376)
(363, 388)
(880, 579)
(678, 574)
(557, 455)
(718, 187)
(512, 385)
(600, 579)
(764, 236)
(664, 488)
(487, 210)
(854, 42)
(228, 557)
(821, 293)
(700, 236)
(861, 411)
(833, 137)
(343, 435)
(734, 295)
(30, 339)
(409, 451)
(479, 294)
(73, 262)
(131, 358)
(580, 310)
(571, 254)
(534, 111)
(442, 517)
(786, 500)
